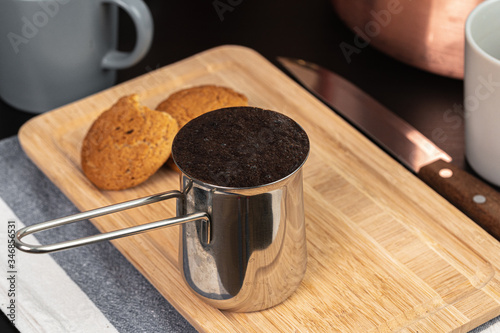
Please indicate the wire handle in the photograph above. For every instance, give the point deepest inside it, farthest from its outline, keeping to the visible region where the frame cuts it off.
(109, 235)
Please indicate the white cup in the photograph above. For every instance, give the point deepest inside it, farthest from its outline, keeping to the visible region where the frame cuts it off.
(482, 90)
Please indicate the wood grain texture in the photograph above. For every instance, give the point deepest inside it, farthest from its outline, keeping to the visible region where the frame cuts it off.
(385, 252)
(476, 199)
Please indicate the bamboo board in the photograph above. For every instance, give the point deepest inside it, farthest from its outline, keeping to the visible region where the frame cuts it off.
(385, 253)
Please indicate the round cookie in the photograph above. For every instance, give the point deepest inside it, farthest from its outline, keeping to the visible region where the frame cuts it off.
(189, 103)
(127, 144)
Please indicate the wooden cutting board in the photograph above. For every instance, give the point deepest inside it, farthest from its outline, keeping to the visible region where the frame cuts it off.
(385, 252)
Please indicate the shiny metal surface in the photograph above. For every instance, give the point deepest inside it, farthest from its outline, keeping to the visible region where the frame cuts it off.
(428, 34)
(106, 236)
(391, 132)
(240, 249)
(257, 254)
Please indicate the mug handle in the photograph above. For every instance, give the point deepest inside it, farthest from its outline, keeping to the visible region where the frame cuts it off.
(143, 21)
(109, 235)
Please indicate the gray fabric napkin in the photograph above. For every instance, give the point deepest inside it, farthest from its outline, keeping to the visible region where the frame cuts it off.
(119, 291)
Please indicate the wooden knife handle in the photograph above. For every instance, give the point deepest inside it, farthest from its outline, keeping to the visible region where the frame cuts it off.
(473, 197)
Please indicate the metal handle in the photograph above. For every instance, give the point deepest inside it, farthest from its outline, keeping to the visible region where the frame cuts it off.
(109, 235)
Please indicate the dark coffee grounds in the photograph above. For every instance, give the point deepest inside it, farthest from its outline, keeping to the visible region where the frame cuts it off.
(240, 147)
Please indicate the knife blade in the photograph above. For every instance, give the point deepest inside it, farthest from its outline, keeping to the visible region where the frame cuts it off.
(432, 165)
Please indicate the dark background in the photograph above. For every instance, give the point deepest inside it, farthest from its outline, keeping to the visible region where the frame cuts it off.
(303, 29)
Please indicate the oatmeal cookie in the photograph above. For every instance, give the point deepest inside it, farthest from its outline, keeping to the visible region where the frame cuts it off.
(127, 144)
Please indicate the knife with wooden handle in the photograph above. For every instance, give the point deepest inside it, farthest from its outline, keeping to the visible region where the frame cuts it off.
(473, 197)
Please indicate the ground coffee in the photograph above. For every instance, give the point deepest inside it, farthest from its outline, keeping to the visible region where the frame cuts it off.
(240, 147)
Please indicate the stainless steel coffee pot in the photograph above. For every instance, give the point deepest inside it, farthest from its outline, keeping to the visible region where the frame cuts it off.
(241, 248)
